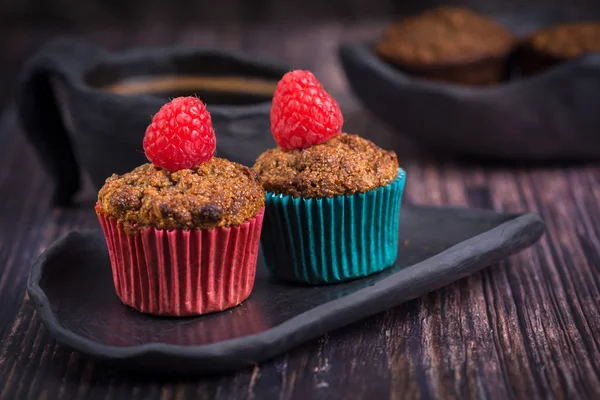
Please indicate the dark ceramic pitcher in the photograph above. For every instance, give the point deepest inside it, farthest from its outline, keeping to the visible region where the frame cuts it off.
(86, 108)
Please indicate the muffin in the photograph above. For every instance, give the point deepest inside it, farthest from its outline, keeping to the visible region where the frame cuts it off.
(449, 44)
(554, 45)
(182, 231)
(333, 199)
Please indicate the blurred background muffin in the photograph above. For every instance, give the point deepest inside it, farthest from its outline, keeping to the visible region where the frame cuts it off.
(450, 44)
(556, 44)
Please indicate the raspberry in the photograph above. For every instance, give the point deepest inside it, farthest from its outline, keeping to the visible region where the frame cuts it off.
(180, 135)
(303, 114)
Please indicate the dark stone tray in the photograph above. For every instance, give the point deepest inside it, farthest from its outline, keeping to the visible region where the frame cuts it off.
(71, 284)
(552, 116)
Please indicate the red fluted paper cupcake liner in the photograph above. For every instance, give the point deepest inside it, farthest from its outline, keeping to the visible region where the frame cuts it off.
(180, 272)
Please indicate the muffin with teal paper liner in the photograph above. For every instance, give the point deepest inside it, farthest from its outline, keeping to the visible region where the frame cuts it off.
(333, 199)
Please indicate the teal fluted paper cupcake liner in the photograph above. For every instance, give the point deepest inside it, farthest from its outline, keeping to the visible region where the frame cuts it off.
(334, 239)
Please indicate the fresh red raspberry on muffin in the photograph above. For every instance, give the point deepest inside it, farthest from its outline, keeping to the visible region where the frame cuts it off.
(303, 114)
(181, 135)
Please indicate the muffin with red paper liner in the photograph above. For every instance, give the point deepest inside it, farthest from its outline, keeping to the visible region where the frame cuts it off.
(333, 199)
(182, 231)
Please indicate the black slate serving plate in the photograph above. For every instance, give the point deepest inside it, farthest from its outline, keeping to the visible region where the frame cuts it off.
(71, 284)
(547, 117)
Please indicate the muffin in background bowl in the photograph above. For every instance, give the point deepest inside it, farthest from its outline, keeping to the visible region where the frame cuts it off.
(557, 44)
(449, 44)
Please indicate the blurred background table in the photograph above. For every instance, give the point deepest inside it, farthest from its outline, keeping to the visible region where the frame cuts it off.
(527, 328)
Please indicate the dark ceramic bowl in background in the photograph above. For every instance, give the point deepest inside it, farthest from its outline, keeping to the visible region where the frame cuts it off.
(84, 107)
(548, 117)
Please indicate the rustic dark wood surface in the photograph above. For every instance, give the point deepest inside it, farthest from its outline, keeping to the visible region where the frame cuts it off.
(527, 328)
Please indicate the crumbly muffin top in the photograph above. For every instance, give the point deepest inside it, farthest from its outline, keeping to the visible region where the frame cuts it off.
(344, 165)
(218, 193)
(445, 35)
(568, 40)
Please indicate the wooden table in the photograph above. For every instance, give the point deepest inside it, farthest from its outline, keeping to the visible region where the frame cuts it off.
(527, 328)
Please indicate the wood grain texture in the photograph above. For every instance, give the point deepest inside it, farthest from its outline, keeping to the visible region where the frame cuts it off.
(525, 329)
